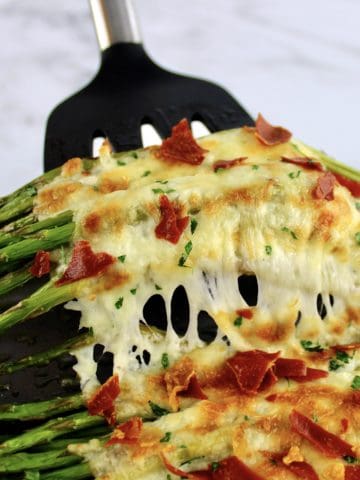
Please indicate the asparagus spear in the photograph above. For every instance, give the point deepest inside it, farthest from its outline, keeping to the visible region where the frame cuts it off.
(39, 302)
(43, 358)
(19, 223)
(45, 240)
(15, 279)
(41, 410)
(70, 473)
(39, 461)
(50, 430)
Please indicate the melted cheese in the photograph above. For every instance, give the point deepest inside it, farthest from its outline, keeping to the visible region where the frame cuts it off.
(257, 218)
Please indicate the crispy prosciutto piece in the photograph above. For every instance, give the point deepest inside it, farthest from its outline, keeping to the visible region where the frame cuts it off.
(245, 313)
(41, 264)
(348, 346)
(250, 368)
(351, 185)
(324, 189)
(304, 162)
(289, 367)
(127, 433)
(269, 135)
(181, 380)
(326, 442)
(225, 164)
(269, 380)
(85, 263)
(352, 473)
(181, 146)
(102, 401)
(171, 225)
(311, 374)
(230, 468)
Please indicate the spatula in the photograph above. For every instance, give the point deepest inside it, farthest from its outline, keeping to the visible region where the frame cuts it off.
(130, 90)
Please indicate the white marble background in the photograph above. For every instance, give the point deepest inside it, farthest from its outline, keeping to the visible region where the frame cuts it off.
(298, 62)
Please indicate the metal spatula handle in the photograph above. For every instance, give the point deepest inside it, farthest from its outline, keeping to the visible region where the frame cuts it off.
(115, 22)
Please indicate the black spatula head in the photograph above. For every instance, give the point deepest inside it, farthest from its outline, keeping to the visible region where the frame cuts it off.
(128, 91)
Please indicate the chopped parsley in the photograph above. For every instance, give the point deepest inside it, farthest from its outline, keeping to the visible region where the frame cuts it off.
(187, 462)
(163, 182)
(30, 190)
(157, 287)
(133, 291)
(165, 360)
(339, 361)
(215, 466)
(287, 230)
(193, 225)
(157, 410)
(168, 476)
(315, 418)
(166, 437)
(146, 173)
(238, 321)
(357, 205)
(122, 258)
(357, 237)
(121, 163)
(160, 190)
(293, 175)
(134, 155)
(268, 249)
(356, 382)
(309, 346)
(255, 167)
(119, 303)
(185, 255)
(349, 459)
(246, 418)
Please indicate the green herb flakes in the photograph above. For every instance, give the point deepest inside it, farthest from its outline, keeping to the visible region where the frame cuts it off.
(193, 225)
(349, 459)
(122, 258)
(315, 418)
(357, 205)
(268, 249)
(246, 418)
(157, 287)
(215, 466)
(146, 173)
(121, 163)
(187, 462)
(238, 321)
(163, 182)
(119, 303)
(356, 383)
(293, 175)
(255, 167)
(309, 346)
(160, 190)
(168, 476)
(157, 410)
(287, 230)
(357, 237)
(133, 291)
(166, 437)
(185, 255)
(165, 360)
(339, 361)
(134, 155)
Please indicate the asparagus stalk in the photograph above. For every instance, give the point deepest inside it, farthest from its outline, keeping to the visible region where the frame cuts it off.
(44, 358)
(37, 461)
(17, 206)
(39, 302)
(71, 473)
(41, 410)
(39, 182)
(45, 240)
(19, 223)
(15, 279)
(50, 430)
(31, 475)
(62, 443)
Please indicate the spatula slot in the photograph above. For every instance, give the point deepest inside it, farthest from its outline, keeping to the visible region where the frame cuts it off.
(149, 136)
(97, 142)
(199, 129)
